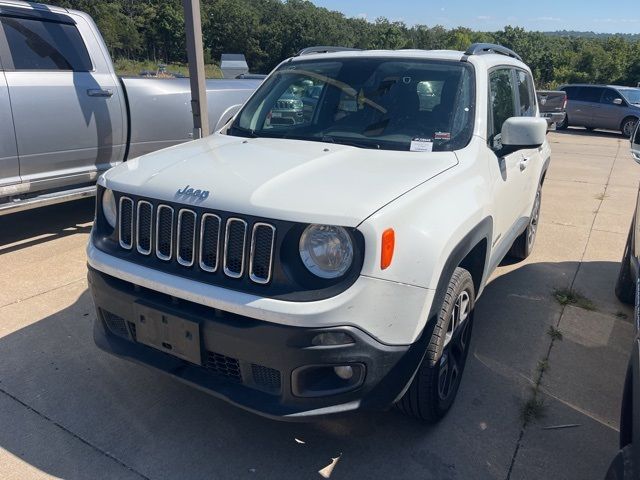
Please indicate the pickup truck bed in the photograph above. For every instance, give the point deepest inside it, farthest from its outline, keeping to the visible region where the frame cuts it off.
(66, 117)
(553, 106)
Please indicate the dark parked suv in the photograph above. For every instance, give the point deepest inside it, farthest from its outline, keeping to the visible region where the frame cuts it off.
(602, 106)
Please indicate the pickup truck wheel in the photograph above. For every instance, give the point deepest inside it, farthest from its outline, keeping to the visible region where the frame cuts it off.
(435, 385)
(628, 126)
(625, 285)
(564, 125)
(523, 245)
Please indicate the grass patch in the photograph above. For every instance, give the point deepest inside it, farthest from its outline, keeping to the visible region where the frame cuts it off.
(621, 315)
(566, 296)
(132, 68)
(543, 366)
(533, 409)
(554, 333)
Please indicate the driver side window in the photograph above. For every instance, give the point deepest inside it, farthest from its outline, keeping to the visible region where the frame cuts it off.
(501, 100)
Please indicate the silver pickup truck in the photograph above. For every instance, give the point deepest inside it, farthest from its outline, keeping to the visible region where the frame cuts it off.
(66, 117)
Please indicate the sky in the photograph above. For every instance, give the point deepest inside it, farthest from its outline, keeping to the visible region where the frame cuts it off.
(620, 16)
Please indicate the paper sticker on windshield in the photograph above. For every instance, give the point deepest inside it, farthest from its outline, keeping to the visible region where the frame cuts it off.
(421, 145)
(442, 136)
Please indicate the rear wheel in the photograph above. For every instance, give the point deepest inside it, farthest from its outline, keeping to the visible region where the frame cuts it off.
(564, 124)
(628, 126)
(435, 385)
(625, 285)
(523, 245)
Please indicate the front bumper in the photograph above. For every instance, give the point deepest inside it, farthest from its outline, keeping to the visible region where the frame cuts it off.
(251, 363)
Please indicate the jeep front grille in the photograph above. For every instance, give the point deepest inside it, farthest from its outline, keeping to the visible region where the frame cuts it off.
(205, 241)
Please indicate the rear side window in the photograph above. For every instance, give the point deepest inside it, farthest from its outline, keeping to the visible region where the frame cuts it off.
(591, 94)
(525, 90)
(45, 45)
(502, 98)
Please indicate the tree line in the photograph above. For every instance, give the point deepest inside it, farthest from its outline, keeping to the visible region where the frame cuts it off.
(268, 31)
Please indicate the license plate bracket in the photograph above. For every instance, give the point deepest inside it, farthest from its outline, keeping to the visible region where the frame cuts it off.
(168, 333)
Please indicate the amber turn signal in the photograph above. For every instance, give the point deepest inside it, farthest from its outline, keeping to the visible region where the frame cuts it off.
(388, 244)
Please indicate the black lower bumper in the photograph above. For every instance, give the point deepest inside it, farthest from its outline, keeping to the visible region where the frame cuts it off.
(254, 364)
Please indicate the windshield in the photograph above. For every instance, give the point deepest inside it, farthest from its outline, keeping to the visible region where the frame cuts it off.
(381, 103)
(632, 95)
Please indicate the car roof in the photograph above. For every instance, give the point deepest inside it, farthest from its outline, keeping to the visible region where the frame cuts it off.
(487, 59)
(33, 6)
(620, 87)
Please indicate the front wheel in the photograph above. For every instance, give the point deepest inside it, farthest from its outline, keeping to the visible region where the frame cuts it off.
(628, 126)
(435, 385)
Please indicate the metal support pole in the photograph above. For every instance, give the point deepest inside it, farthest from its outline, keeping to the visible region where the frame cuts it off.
(195, 57)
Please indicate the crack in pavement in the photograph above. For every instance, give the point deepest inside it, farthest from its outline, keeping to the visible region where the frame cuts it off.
(74, 435)
(557, 323)
(42, 293)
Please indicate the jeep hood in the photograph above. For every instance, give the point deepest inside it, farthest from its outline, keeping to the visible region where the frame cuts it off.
(294, 180)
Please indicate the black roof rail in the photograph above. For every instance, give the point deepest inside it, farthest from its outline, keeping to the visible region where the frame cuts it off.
(485, 48)
(321, 49)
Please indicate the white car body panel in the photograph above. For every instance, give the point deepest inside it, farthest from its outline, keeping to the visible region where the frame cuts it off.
(431, 200)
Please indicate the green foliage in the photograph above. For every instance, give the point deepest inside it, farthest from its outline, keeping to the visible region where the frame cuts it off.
(268, 31)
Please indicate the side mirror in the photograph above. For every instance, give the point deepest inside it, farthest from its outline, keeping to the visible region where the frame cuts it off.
(617, 101)
(635, 144)
(521, 133)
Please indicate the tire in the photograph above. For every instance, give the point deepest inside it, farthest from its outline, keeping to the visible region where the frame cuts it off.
(435, 385)
(628, 126)
(564, 125)
(625, 285)
(624, 466)
(523, 245)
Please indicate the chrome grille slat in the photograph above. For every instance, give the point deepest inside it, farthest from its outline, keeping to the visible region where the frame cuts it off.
(125, 223)
(164, 232)
(261, 254)
(210, 227)
(144, 227)
(234, 247)
(185, 250)
(191, 237)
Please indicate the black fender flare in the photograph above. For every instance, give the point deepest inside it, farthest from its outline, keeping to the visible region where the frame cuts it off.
(545, 168)
(400, 377)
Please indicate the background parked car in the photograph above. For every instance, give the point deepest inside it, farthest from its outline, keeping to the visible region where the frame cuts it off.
(66, 117)
(553, 105)
(608, 107)
(626, 465)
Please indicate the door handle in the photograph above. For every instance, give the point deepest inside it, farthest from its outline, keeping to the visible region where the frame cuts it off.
(523, 163)
(97, 92)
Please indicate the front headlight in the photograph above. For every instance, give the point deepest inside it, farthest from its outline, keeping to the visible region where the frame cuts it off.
(109, 208)
(326, 251)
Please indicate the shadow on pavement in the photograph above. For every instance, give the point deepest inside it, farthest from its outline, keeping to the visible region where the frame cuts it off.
(46, 223)
(164, 429)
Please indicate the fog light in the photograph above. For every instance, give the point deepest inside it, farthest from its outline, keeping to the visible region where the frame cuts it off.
(332, 338)
(344, 372)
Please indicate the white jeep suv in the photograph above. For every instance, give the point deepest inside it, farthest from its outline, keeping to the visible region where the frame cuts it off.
(333, 263)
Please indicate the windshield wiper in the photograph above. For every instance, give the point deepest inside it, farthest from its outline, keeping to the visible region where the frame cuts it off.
(351, 142)
(243, 132)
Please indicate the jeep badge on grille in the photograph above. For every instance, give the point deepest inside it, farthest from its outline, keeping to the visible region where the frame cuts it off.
(195, 194)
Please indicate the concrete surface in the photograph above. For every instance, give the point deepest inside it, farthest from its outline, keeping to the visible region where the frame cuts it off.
(69, 411)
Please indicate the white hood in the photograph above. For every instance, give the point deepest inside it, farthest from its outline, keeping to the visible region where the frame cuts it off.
(292, 180)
